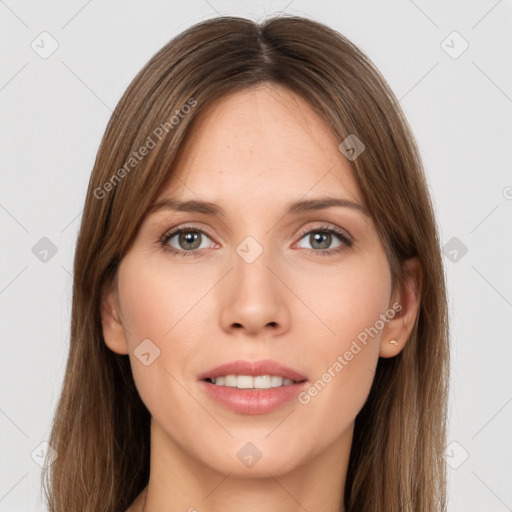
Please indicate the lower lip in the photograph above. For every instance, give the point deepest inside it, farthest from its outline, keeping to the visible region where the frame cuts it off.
(253, 401)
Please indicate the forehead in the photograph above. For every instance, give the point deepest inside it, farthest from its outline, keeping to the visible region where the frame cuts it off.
(261, 143)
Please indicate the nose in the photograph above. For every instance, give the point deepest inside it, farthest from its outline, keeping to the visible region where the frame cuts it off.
(253, 297)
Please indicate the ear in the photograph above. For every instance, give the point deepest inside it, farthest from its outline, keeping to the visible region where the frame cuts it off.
(113, 331)
(405, 301)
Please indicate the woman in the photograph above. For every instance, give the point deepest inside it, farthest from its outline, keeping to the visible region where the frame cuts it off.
(259, 312)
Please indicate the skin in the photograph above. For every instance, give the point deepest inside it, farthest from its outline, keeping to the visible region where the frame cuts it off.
(251, 153)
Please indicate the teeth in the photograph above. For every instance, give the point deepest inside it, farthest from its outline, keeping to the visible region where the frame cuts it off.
(230, 380)
(245, 382)
(276, 381)
(249, 382)
(262, 381)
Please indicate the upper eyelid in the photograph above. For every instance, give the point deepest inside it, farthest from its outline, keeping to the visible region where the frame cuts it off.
(335, 229)
(174, 231)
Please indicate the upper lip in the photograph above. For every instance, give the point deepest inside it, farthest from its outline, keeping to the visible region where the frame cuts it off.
(253, 368)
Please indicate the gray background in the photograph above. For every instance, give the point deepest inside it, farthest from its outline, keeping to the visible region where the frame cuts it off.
(54, 111)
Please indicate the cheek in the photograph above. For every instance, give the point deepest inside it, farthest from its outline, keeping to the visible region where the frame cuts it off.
(158, 306)
(155, 301)
(344, 358)
(164, 305)
(348, 300)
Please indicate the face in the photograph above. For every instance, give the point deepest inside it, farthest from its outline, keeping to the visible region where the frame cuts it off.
(251, 282)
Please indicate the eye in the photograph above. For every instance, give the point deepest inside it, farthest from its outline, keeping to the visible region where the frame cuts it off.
(321, 238)
(188, 240)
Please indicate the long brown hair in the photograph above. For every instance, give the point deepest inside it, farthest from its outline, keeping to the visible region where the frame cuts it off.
(101, 426)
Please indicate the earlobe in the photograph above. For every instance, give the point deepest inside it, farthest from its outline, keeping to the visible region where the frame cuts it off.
(406, 305)
(113, 331)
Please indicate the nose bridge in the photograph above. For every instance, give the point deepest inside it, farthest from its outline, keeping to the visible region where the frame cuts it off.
(251, 267)
(252, 296)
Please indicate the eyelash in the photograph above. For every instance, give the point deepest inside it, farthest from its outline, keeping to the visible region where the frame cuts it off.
(321, 229)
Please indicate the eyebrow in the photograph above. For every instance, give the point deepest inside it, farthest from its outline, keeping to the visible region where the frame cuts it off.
(297, 207)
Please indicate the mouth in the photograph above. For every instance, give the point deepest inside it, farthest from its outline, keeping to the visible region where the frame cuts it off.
(252, 387)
